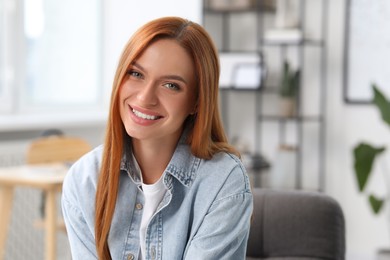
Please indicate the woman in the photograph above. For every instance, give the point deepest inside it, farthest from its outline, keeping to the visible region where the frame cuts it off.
(165, 184)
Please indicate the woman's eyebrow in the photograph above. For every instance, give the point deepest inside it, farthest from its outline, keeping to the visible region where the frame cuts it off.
(173, 77)
(135, 64)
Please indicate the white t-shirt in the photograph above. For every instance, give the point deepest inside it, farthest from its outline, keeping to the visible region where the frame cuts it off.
(153, 194)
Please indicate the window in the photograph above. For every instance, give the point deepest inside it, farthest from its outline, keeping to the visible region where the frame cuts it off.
(6, 74)
(58, 62)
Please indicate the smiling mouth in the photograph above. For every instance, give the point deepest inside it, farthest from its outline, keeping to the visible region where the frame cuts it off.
(145, 116)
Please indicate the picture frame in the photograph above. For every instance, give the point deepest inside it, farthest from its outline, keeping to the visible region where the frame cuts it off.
(366, 51)
(241, 71)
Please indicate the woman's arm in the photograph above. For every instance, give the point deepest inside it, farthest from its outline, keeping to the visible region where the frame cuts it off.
(78, 222)
(225, 229)
(81, 240)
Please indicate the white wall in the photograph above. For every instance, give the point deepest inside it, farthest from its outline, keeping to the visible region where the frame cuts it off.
(346, 126)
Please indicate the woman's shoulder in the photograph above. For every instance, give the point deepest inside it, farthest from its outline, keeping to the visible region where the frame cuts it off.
(84, 172)
(227, 167)
(228, 158)
(226, 162)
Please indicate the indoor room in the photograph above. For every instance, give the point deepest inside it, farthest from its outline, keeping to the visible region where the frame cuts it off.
(303, 96)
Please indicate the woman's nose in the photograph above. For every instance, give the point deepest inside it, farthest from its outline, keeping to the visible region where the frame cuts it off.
(147, 94)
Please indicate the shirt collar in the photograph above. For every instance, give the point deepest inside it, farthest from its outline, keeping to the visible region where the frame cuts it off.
(183, 164)
(129, 165)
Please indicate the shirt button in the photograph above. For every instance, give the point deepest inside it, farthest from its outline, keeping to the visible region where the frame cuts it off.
(138, 206)
(130, 257)
(153, 252)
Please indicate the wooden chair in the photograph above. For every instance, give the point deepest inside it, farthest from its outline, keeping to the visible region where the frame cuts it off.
(55, 148)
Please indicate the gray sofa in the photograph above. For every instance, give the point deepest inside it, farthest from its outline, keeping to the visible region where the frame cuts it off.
(296, 225)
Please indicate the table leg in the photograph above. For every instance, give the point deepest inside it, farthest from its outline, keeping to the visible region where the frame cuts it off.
(51, 224)
(6, 197)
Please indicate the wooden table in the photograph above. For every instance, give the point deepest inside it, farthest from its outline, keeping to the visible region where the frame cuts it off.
(49, 179)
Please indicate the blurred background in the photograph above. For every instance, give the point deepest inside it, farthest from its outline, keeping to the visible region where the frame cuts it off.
(295, 93)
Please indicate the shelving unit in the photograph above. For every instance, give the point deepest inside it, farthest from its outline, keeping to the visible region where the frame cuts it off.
(306, 130)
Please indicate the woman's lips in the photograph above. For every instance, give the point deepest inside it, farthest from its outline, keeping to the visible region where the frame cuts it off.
(143, 117)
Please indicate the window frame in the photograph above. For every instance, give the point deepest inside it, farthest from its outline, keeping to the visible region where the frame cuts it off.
(7, 62)
(13, 110)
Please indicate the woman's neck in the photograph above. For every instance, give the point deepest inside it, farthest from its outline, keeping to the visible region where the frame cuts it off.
(153, 158)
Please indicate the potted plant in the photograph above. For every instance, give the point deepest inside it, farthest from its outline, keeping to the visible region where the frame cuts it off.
(289, 90)
(366, 154)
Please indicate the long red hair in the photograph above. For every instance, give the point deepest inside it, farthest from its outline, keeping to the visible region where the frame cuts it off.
(206, 135)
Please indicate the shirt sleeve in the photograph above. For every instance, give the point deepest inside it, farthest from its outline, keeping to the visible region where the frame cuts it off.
(225, 229)
(79, 231)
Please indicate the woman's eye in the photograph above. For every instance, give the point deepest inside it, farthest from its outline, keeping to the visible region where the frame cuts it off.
(134, 74)
(172, 86)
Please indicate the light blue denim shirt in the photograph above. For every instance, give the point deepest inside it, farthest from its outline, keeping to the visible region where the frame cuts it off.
(205, 214)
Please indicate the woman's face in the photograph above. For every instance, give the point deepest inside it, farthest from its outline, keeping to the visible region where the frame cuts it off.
(158, 92)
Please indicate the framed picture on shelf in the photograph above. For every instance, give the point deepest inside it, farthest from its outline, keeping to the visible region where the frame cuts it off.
(241, 71)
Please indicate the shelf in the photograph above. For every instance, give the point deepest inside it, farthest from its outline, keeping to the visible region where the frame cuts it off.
(252, 6)
(270, 90)
(240, 89)
(243, 52)
(274, 90)
(302, 43)
(292, 119)
(210, 10)
(273, 46)
(263, 90)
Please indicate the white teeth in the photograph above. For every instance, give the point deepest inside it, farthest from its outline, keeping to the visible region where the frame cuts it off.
(144, 116)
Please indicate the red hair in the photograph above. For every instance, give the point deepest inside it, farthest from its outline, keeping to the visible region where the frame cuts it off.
(206, 135)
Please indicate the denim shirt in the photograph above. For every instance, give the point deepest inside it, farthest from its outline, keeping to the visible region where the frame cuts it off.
(205, 213)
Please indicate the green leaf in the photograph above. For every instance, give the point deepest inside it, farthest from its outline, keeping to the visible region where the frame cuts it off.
(364, 155)
(290, 81)
(382, 103)
(296, 81)
(376, 203)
